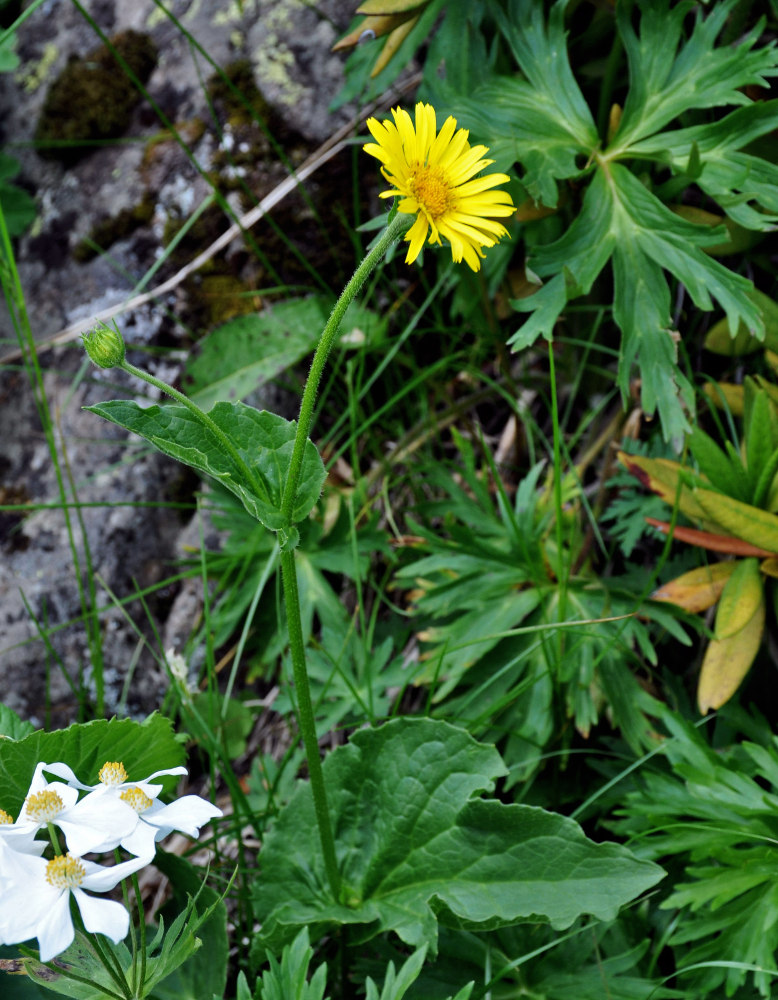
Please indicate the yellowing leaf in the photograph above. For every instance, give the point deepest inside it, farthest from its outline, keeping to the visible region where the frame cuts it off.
(376, 25)
(740, 598)
(393, 43)
(769, 567)
(663, 477)
(720, 341)
(699, 589)
(390, 6)
(731, 394)
(752, 524)
(727, 662)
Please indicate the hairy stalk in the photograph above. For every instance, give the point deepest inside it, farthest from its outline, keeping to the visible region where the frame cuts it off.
(391, 234)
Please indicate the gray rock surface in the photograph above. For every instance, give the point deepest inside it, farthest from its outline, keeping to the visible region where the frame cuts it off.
(287, 43)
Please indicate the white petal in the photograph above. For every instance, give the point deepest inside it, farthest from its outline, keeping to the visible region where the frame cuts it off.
(55, 928)
(26, 901)
(147, 786)
(103, 916)
(62, 771)
(142, 840)
(102, 879)
(97, 823)
(186, 814)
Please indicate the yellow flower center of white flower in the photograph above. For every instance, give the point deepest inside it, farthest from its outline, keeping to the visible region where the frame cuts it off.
(65, 872)
(43, 807)
(5, 818)
(112, 773)
(136, 798)
(429, 187)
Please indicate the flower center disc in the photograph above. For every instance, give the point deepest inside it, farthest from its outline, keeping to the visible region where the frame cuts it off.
(43, 807)
(136, 798)
(112, 773)
(431, 190)
(5, 818)
(65, 872)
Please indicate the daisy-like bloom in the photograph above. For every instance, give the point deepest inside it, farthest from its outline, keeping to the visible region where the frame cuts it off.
(434, 175)
(87, 825)
(35, 899)
(153, 820)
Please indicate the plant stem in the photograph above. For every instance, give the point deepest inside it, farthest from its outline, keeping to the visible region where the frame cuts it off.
(306, 720)
(399, 225)
(562, 569)
(142, 933)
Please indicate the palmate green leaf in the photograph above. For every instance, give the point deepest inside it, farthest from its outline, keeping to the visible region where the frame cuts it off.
(143, 747)
(263, 440)
(620, 217)
(744, 185)
(668, 75)
(414, 847)
(543, 119)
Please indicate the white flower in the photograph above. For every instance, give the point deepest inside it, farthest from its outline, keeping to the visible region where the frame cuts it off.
(35, 899)
(154, 820)
(88, 825)
(19, 835)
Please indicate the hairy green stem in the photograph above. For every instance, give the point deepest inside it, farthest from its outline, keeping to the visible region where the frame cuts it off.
(399, 225)
(306, 720)
(562, 568)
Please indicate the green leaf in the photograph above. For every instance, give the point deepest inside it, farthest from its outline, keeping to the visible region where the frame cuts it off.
(288, 979)
(263, 440)
(725, 472)
(713, 817)
(414, 847)
(11, 726)
(9, 60)
(244, 354)
(668, 75)
(758, 431)
(744, 185)
(143, 747)
(19, 209)
(248, 351)
(544, 119)
(719, 338)
(189, 967)
(80, 959)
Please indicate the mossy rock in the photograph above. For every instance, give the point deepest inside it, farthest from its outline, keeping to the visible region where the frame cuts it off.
(92, 99)
(114, 228)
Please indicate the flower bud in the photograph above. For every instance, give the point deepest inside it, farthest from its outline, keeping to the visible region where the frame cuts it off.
(104, 345)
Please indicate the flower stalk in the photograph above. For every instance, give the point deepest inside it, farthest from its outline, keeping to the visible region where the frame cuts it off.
(393, 232)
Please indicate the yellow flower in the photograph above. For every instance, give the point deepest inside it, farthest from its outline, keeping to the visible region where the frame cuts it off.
(435, 176)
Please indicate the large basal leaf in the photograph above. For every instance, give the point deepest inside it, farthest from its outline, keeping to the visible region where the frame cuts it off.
(414, 846)
(263, 440)
(744, 185)
(669, 74)
(143, 747)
